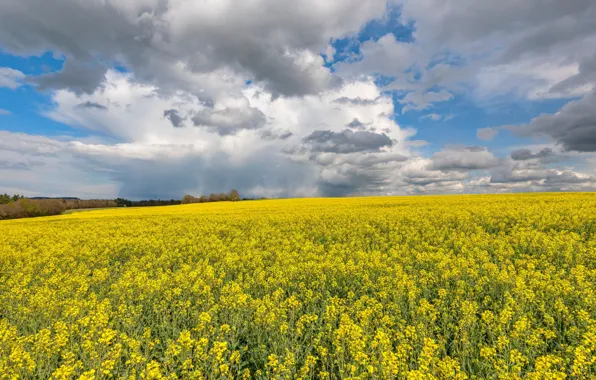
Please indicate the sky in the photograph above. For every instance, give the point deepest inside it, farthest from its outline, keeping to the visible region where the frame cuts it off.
(296, 98)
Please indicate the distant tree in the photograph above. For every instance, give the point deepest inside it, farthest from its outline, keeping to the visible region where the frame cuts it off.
(234, 195)
(213, 197)
(121, 202)
(203, 199)
(4, 199)
(188, 199)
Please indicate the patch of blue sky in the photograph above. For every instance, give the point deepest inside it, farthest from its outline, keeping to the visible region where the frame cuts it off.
(460, 118)
(32, 65)
(348, 48)
(383, 80)
(27, 109)
(26, 105)
(391, 23)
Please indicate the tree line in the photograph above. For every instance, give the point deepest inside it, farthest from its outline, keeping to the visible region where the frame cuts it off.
(232, 196)
(18, 206)
(121, 202)
(5, 198)
(22, 207)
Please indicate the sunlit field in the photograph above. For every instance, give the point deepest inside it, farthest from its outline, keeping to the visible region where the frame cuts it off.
(450, 287)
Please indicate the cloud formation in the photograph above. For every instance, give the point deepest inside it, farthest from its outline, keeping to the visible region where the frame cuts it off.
(178, 44)
(346, 141)
(463, 159)
(10, 78)
(183, 96)
(573, 127)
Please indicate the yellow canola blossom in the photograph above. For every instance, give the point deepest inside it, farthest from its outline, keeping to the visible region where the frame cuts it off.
(437, 287)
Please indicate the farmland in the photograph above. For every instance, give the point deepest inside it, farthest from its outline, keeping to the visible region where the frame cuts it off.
(487, 286)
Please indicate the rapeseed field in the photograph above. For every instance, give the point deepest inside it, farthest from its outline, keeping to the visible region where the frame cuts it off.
(446, 287)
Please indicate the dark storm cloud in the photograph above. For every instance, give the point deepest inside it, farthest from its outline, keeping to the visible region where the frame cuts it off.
(346, 141)
(573, 127)
(278, 48)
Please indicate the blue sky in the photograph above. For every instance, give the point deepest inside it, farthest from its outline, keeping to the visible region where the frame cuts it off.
(359, 98)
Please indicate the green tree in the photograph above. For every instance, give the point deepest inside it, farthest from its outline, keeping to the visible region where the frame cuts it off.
(4, 198)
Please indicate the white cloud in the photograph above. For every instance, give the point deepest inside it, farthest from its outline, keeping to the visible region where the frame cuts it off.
(11, 78)
(183, 118)
(511, 50)
(463, 158)
(180, 44)
(142, 148)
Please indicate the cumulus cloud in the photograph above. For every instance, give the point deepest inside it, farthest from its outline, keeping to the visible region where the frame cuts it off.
(142, 155)
(529, 176)
(4, 112)
(230, 116)
(529, 50)
(174, 43)
(463, 158)
(346, 141)
(196, 106)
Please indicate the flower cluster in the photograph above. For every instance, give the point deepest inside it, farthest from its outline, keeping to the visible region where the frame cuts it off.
(454, 287)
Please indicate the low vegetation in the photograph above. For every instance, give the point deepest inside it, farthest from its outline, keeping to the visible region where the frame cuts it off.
(27, 208)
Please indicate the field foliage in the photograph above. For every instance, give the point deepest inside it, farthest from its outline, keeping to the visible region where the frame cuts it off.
(449, 287)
